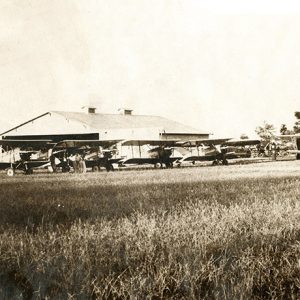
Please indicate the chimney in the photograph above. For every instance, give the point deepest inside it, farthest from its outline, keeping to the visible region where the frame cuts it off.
(89, 109)
(125, 111)
(92, 110)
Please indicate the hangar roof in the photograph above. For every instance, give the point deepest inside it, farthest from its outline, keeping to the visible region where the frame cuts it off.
(117, 121)
(100, 121)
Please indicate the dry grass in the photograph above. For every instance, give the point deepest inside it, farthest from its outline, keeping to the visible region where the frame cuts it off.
(196, 233)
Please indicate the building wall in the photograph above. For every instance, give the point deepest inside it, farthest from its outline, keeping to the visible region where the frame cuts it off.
(130, 134)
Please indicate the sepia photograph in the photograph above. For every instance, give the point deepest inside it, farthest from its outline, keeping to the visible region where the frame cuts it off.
(149, 149)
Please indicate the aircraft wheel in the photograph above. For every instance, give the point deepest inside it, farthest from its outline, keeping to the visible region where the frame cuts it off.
(168, 165)
(50, 169)
(29, 171)
(298, 156)
(109, 167)
(65, 169)
(193, 162)
(178, 165)
(215, 163)
(157, 165)
(10, 172)
(225, 162)
(95, 169)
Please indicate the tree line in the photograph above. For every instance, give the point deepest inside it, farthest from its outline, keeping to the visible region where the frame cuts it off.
(267, 131)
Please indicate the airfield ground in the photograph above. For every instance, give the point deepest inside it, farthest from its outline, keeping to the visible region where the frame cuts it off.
(193, 233)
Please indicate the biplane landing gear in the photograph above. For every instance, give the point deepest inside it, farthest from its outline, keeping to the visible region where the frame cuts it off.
(169, 165)
(65, 169)
(157, 165)
(109, 167)
(225, 162)
(10, 172)
(215, 163)
(95, 169)
(29, 171)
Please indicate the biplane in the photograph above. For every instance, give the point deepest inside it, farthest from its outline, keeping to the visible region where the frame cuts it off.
(24, 155)
(295, 141)
(241, 148)
(94, 153)
(159, 153)
(219, 151)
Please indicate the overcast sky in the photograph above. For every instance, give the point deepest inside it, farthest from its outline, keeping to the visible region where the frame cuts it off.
(220, 66)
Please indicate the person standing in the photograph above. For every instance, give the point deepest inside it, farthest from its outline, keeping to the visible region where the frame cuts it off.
(76, 163)
(274, 150)
(82, 165)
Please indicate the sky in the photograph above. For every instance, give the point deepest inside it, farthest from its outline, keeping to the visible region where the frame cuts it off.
(223, 67)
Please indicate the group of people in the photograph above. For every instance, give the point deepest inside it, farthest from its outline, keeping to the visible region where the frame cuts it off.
(78, 163)
(271, 149)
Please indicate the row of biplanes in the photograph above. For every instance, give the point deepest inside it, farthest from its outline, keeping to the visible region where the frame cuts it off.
(78, 155)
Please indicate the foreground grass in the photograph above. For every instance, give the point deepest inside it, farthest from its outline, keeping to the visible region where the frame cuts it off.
(210, 233)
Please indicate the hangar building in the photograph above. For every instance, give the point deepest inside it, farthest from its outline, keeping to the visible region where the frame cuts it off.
(87, 125)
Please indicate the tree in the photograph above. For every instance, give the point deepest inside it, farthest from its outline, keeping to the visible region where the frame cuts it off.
(283, 129)
(266, 132)
(297, 123)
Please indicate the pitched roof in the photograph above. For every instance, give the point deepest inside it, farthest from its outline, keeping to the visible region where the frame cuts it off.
(116, 121)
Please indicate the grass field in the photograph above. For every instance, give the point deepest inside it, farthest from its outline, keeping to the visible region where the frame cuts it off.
(194, 233)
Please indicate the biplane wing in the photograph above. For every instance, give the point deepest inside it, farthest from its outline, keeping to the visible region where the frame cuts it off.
(25, 144)
(199, 158)
(200, 142)
(296, 135)
(145, 161)
(241, 142)
(86, 143)
(167, 143)
(290, 137)
(138, 161)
